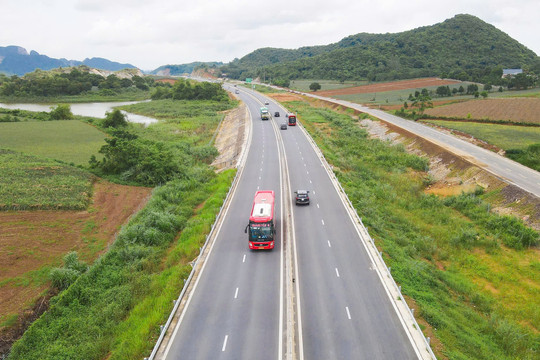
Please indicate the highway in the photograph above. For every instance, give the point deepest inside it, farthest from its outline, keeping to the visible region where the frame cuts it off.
(239, 307)
(234, 311)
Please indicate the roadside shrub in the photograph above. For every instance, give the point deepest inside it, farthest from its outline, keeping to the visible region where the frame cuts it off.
(63, 277)
(513, 232)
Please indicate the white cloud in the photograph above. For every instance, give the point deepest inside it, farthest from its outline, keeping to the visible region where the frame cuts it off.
(152, 33)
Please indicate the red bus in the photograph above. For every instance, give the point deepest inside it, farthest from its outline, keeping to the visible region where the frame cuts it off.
(260, 229)
(292, 119)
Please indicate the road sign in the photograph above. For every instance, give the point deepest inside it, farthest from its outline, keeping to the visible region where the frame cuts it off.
(248, 80)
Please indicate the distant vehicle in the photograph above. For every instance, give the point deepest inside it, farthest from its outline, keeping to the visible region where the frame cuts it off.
(286, 115)
(302, 197)
(237, 92)
(234, 85)
(283, 126)
(292, 119)
(266, 102)
(260, 228)
(265, 115)
(276, 114)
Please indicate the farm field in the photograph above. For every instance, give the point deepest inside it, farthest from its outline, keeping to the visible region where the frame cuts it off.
(30, 183)
(71, 141)
(389, 86)
(303, 85)
(505, 137)
(524, 110)
(33, 242)
(393, 98)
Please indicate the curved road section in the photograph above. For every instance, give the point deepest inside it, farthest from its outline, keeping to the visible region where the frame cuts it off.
(504, 168)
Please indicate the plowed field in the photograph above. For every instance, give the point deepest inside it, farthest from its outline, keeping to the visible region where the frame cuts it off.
(388, 86)
(525, 110)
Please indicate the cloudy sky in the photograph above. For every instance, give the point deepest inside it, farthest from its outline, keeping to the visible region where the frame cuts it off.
(151, 33)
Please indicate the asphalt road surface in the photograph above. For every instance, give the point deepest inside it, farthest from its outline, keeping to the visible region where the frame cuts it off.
(237, 309)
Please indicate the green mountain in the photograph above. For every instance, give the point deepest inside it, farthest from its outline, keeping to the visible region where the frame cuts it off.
(463, 47)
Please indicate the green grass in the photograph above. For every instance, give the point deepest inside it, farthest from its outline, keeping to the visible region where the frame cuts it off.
(28, 182)
(504, 136)
(116, 307)
(192, 122)
(70, 141)
(470, 271)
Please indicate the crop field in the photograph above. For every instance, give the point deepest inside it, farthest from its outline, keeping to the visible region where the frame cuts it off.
(70, 141)
(521, 110)
(503, 136)
(32, 242)
(28, 182)
(389, 86)
(303, 85)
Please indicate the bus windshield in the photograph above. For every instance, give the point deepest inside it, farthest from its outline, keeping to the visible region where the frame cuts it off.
(260, 232)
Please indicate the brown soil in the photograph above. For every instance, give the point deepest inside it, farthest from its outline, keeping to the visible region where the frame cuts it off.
(523, 110)
(30, 240)
(388, 86)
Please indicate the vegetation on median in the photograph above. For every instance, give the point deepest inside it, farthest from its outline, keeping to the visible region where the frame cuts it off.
(472, 273)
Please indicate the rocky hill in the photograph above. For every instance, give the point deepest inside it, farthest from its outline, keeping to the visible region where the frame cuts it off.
(15, 60)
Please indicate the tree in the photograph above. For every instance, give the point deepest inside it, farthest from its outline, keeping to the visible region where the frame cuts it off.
(61, 112)
(315, 86)
(115, 119)
(484, 94)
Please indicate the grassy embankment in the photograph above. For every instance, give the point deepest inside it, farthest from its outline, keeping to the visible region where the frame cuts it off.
(473, 275)
(115, 308)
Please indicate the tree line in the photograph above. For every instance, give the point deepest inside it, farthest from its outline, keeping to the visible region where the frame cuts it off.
(75, 82)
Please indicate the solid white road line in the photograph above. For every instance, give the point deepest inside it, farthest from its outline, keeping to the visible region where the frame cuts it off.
(348, 312)
(225, 343)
